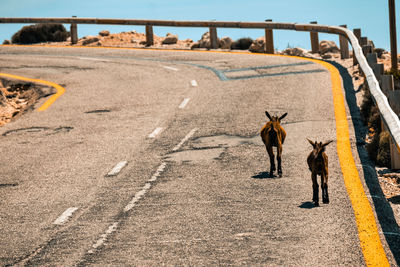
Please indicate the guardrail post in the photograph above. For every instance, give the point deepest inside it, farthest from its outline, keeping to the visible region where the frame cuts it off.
(378, 70)
(367, 49)
(394, 155)
(269, 40)
(357, 34)
(213, 37)
(344, 45)
(149, 35)
(387, 84)
(314, 40)
(363, 41)
(372, 58)
(74, 32)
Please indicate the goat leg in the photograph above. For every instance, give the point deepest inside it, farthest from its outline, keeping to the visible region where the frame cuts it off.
(271, 161)
(315, 190)
(324, 188)
(279, 159)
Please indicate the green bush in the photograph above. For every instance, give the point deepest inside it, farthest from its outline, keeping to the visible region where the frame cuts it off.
(40, 33)
(242, 44)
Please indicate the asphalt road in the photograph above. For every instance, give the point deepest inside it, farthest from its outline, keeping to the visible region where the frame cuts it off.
(192, 188)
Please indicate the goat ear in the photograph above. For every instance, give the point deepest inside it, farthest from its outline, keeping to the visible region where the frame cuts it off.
(311, 142)
(283, 116)
(327, 143)
(269, 116)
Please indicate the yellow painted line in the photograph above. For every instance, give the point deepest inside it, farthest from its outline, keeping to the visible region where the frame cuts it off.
(370, 242)
(47, 104)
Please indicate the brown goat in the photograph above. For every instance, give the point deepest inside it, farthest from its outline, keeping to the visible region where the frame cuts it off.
(317, 162)
(273, 135)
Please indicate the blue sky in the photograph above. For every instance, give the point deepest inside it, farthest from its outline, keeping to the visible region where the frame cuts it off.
(369, 15)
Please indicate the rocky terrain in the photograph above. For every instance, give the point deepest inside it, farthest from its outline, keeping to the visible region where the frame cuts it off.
(16, 99)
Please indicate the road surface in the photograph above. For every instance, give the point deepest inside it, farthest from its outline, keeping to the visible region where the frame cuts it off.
(154, 158)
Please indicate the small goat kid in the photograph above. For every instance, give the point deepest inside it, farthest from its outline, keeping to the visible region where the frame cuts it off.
(318, 163)
(273, 135)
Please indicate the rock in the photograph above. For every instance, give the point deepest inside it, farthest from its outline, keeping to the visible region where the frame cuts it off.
(380, 52)
(3, 99)
(297, 51)
(6, 42)
(327, 56)
(170, 39)
(328, 47)
(195, 45)
(258, 46)
(134, 41)
(225, 43)
(104, 33)
(205, 41)
(89, 40)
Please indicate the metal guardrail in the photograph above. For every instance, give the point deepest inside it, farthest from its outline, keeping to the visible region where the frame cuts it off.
(389, 117)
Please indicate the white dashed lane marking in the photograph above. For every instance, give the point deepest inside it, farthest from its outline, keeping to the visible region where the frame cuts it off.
(170, 68)
(113, 227)
(190, 134)
(193, 83)
(65, 216)
(93, 59)
(184, 103)
(157, 131)
(117, 168)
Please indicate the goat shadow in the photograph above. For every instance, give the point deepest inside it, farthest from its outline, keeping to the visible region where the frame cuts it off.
(307, 205)
(383, 209)
(264, 175)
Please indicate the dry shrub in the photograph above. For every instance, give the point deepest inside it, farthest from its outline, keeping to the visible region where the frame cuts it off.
(366, 105)
(373, 147)
(374, 120)
(40, 33)
(242, 44)
(383, 155)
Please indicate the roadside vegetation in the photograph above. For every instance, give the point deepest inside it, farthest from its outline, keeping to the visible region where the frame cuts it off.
(39, 33)
(378, 141)
(242, 44)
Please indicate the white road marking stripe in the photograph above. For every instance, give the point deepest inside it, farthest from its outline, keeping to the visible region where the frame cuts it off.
(112, 228)
(184, 103)
(137, 197)
(117, 168)
(158, 172)
(178, 146)
(155, 132)
(65, 216)
(170, 68)
(92, 58)
(193, 83)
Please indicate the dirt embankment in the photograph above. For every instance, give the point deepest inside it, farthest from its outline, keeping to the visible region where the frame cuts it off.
(17, 98)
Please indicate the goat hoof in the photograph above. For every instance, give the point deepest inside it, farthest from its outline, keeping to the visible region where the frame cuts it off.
(325, 201)
(280, 175)
(316, 204)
